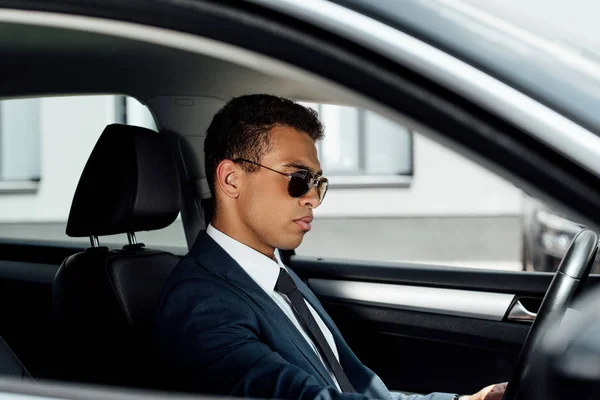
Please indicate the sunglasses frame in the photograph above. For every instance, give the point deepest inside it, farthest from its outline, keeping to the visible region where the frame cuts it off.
(314, 180)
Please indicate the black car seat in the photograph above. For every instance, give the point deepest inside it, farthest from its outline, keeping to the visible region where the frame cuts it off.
(104, 301)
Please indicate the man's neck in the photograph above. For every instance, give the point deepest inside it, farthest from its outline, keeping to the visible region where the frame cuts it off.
(243, 235)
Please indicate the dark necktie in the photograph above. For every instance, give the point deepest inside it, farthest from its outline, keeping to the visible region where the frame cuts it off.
(286, 285)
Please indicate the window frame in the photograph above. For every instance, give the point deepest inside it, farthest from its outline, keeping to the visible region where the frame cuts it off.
(362, 179)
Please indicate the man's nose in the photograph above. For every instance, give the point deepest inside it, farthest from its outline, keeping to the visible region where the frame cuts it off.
(311, 199)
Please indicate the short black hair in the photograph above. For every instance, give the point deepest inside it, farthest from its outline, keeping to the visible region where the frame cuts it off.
(241, 130)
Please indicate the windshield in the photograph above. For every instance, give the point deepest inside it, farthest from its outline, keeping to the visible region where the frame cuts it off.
(547, 49)
(570, 24)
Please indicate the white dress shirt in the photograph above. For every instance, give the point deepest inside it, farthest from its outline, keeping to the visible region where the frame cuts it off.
(265, 271)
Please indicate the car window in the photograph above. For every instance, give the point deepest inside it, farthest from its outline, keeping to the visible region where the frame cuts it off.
(443, 208)
(362, 148)
(394, 194)
(557, 56)
(44, 145)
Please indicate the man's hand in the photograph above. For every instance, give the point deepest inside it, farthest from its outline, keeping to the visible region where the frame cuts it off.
(492, 392)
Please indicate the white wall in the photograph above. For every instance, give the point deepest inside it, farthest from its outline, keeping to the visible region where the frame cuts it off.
(20, 153)
(444, 184)
(70, 127)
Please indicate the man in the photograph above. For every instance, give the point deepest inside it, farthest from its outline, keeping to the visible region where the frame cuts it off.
(233, 319)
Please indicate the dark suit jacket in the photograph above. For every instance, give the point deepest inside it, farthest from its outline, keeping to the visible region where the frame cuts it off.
(219, 332)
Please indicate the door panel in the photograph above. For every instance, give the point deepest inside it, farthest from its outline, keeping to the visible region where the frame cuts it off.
(26, 274)
(419, 352)
(523, 283)
(25, 312)
(427, 328)
(464, 303)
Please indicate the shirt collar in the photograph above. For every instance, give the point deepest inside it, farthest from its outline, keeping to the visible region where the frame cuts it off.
(262, 269)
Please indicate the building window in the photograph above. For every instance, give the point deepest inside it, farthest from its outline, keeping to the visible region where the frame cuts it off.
(23, 122)
(363, 148)
(19, 145)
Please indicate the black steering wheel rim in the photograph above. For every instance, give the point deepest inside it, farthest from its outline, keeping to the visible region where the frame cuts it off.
(568, 281)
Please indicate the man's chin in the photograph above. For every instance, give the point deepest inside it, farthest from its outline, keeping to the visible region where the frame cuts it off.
(291, 244)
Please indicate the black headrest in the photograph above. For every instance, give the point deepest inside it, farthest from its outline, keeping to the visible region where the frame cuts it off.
(129, 184)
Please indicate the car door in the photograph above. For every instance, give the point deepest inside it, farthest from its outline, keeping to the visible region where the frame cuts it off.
(421, 327)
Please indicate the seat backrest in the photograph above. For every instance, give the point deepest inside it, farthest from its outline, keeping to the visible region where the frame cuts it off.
(104, 301)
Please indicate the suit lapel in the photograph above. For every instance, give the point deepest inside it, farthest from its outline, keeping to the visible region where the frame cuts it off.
(212, 257)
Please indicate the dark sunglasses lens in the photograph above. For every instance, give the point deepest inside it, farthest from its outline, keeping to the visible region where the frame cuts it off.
(299, 183)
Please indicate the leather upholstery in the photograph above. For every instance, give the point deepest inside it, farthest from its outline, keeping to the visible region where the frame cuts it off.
(120, 286)
(105, 301)
(129, 184)
(138, 281)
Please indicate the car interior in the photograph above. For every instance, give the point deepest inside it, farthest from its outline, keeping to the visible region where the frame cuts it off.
(69, 310)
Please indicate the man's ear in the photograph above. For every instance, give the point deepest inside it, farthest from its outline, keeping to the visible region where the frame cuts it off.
(227, 178)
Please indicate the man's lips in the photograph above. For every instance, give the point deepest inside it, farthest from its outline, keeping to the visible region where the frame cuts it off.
(304, 223)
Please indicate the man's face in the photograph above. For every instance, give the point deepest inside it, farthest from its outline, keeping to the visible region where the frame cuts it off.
(275, 218)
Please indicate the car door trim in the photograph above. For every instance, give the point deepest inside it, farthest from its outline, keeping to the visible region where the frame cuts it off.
(464, 303)
(518, 312)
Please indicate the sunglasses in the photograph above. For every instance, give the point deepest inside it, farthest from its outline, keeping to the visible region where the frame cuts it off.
(299, 182)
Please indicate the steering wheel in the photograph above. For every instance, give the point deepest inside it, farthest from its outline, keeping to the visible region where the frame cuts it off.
(569, 279)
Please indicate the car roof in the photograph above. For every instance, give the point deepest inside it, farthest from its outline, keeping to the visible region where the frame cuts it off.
(46, 57)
